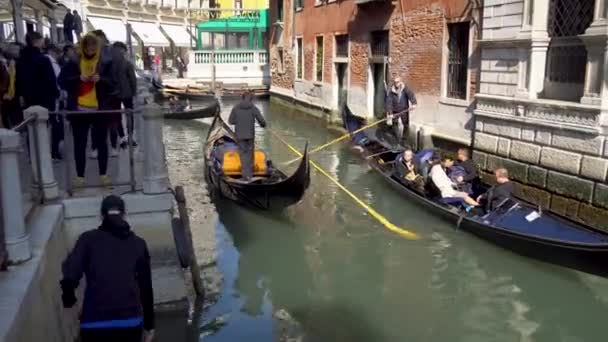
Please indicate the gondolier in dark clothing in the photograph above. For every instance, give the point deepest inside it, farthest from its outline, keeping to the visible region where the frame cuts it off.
(125, 88)
(243, 117)
(68, 26)
(497, 194)
(400, 101)
(118, 300)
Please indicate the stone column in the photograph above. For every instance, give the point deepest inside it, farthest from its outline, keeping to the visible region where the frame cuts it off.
(53, 23)
(593, 74)
(523, 54)
(536, 31)
(18, 20)
(16, 237)
(39, 26)
(156, 175)
(604, 90)
(40, 152)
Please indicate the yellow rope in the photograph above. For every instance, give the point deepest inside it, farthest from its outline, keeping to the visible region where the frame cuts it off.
(345, 136)
(390, 226)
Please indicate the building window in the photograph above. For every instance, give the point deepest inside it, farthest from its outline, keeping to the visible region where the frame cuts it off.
(300, 57)
(342, 45)
(237, 40)
(299, 4)
(319, 59)
(567, 54)
(280, 60)
(458, 60)
(379, 44)
(279, 10)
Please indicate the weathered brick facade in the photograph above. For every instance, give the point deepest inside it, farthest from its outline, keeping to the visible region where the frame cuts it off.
(417, 51)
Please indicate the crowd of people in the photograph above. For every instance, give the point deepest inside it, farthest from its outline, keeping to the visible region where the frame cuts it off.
(89, 76)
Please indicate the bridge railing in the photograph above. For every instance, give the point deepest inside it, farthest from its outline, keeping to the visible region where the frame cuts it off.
(27, 175)
(230, 66)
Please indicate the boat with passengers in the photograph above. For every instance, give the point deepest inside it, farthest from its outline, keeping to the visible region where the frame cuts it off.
(514, 224)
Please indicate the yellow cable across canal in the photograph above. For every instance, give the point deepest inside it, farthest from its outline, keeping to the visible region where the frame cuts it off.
(389, 225)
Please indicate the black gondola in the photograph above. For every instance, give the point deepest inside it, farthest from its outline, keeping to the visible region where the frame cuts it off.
(272, 190)
(196, 113)
(514, 225)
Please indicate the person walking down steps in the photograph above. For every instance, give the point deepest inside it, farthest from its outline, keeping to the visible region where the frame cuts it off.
(118, 301)
(243, 117)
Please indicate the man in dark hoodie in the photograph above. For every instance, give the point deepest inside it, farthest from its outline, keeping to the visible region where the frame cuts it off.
(36, 82)
(118, 299)
(68, 26)
(125, 89)
(243, 117)
(398, 100)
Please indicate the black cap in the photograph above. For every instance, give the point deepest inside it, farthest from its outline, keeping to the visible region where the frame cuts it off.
(112, 205)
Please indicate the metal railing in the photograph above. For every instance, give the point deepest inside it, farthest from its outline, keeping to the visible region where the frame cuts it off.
(24, 128)
(69, 157)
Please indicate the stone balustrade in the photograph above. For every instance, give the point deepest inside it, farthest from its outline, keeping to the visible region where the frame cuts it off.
(557, 151)
(231, 66)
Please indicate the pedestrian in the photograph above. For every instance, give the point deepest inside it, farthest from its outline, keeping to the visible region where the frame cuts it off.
(123, 74)
(181, 67)
(9, 103)
(68, 26)
(243, 117)
(84, 81)
(401, 101)
(56, 120)
(69, 54)
(105, 102)
(77, 25)
(118, 300)
(36, 80)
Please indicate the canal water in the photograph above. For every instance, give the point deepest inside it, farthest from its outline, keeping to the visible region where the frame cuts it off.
(324, 270)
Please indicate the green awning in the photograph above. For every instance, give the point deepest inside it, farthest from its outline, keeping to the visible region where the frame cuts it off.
(241, 23)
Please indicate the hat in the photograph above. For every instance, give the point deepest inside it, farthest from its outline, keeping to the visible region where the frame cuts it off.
(112, 205)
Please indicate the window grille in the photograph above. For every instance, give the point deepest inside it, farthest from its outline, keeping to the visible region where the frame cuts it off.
(379, 44)
(300, 66)
(319, 60)
(342, 45)
(458, 60)
(299, 3)
(569, 18)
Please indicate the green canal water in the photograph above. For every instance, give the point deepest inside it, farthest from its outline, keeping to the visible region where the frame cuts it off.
(325, 270)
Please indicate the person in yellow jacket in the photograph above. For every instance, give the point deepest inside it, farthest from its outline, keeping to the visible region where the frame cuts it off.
(86, 80)
(9, 110)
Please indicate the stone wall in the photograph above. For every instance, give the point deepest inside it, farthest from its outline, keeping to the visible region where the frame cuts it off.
(562, 170)
(502, 18)
(499, 68)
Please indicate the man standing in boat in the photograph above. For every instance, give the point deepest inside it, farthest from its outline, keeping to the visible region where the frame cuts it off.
(398, 100)
(243, 117)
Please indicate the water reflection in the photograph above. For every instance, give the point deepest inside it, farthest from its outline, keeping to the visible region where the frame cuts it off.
(326, 270)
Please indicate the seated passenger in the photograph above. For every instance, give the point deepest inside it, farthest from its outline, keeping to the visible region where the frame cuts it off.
(499, 193)
(408, 170)
(445, 185)
(470, 178)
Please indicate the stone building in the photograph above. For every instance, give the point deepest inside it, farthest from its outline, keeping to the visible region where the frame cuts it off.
(324, 52)
(542, 107)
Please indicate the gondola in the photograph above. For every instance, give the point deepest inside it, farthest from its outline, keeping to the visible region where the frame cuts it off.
(515, 225)
(270, 188)
(196, 113)
(188, 93)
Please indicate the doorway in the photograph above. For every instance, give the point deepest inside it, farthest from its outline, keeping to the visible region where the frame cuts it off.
(379, 72)
(341, 74)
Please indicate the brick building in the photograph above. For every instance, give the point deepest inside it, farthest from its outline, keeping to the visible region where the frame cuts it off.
(324, 51)
(542, 108)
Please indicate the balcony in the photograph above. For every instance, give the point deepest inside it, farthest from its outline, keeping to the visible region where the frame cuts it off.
(231, 66)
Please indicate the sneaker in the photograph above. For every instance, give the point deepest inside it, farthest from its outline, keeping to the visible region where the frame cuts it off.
(113, 153)
(93, 154)
(78, 182)
(105, 181)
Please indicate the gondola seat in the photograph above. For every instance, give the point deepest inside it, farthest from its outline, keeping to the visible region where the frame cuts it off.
(231, 164)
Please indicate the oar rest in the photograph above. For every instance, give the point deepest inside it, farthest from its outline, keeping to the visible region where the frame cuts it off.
(231, 165)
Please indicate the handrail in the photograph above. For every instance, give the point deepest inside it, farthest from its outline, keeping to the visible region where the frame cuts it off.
(23, 125)
(105, 111)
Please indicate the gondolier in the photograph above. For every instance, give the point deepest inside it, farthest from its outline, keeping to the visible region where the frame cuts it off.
(243, 117)
(398, 100)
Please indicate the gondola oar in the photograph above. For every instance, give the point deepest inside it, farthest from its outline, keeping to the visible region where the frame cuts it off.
(348, 135)
(390, 226)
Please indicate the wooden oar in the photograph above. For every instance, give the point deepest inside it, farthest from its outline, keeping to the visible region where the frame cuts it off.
(347, 135)
(390, 226)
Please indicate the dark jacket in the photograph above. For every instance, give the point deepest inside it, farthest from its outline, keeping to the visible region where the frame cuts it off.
(497, 194)
(68, 22)
(36, 81)
(243, 117)
(69, 80)
(399, 101)
(116, 265)
(470, 170)
(77, 23)
(123, 77)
